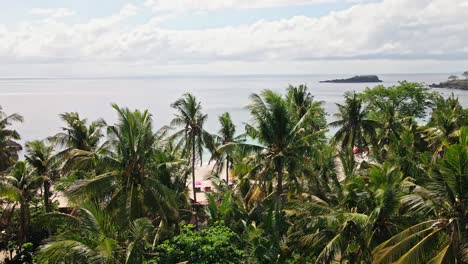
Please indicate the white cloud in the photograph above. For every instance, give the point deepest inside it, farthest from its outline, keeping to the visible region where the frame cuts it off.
(52, 12)
(203, 5)
(393, 29)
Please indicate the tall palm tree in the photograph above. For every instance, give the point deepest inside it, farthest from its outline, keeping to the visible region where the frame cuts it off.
(21, 185)
(8, 146)
(39, 155)
(226, 135)
(282, 141)
(128, 184)
(356, 129)
(192, 134)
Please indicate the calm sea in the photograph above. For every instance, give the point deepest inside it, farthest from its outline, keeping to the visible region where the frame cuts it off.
(41, 100)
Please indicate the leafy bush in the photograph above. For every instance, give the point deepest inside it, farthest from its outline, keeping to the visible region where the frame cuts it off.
(216, 244)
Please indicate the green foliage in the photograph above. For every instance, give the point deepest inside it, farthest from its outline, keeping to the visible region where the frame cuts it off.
(215, 244)
(444, 238)
(355, 126)
(409, 99)
(128, 155)
(9, 146)
(24, 255)
(192, 136)
(223, 144)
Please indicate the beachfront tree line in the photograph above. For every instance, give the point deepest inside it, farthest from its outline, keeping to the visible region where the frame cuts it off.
(390, 186)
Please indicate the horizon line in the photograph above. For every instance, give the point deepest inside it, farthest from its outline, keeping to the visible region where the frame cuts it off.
(208, 75)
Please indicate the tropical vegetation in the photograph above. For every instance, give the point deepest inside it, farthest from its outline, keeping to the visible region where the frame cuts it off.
(386, 181)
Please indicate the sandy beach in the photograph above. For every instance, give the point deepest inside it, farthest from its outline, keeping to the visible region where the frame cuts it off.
(201, 175)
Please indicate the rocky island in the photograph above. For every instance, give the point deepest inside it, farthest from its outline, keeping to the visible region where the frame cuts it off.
(356, 79)
(453, 83)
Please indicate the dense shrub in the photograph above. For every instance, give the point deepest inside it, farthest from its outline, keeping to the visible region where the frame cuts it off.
(216, 244)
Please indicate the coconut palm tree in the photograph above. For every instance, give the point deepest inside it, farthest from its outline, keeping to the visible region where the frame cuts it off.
(192, 135)
(281, 137)
(21, 185)
(79, 144)
(355, 128)
(391, 123)
(226, 135)
(90, 237)
(77, 135)
(8, 146)
(324, 233)
(39, 155)
(442, 239)
(444, 126)
(301, 102)
(93, 236)
(345, 229)
(128, 183)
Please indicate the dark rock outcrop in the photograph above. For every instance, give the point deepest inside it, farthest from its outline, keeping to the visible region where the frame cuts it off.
(356, 79)
(455, 84)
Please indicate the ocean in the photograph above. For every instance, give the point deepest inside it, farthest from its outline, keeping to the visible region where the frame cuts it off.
(41, 100)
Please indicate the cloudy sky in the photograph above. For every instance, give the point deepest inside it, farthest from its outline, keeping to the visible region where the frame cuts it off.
(159, 37)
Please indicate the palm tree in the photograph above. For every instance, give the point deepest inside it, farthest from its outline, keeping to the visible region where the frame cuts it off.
(302, 103)
(77, 135)
(21, 185)
(442, 239)
(8, 146)
(345, 229)
(391, 123)
(93, 236)
(192, 134)
(40, 156)
(356, 129)
(128, 182)
(444, 125)
(324, 233)
(226, 135)
(282, 139)
(79, 143)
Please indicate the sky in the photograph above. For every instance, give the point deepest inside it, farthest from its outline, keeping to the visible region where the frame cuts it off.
(69, 38)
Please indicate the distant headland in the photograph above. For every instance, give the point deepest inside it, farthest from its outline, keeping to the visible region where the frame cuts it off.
(356, 79)
(453, 82)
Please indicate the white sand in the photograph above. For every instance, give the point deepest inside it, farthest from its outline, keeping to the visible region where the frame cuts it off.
(201, 174)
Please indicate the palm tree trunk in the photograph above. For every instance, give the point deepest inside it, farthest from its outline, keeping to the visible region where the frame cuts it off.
(193, 180)
(227, 170)
(47, 204)
(279, 189)
(193, 170)
(24, 222)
